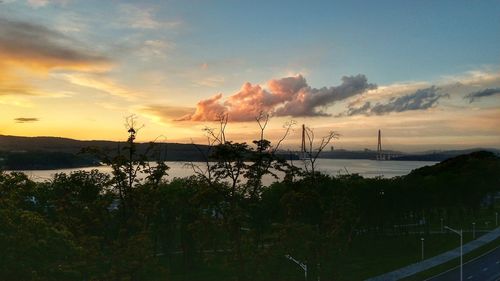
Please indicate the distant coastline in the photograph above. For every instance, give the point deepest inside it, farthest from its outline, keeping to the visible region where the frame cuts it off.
(46, 153)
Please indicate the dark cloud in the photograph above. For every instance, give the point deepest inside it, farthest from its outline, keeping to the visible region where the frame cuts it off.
(359, 110)
(26, 119)
(39, 46)
(289, 96)
(422, 99)
(309, 101)
(472, 97)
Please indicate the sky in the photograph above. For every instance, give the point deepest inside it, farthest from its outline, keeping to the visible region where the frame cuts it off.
(426, 73)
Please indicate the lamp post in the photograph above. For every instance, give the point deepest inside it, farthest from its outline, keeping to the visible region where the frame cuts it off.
(461, 250)
(422, 239)
(302, 265)
(473, 230)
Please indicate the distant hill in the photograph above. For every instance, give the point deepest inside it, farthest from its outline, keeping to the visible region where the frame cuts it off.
(49, 152)
(468, 177)
(464, 164)
(442, 155)
(56, 144)
(53, 152)
(436, 156)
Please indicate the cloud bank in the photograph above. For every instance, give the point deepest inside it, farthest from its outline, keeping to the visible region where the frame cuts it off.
(40, 47)
(475, 96)
(422, 99)
(28, 50)
(289, 96)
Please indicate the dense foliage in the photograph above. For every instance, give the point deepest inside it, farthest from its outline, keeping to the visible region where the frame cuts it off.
(219, 225)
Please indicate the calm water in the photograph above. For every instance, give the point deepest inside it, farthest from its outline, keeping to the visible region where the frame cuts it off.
(366, 168)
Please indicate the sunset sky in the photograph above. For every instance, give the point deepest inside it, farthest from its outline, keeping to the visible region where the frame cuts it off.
(427, 73)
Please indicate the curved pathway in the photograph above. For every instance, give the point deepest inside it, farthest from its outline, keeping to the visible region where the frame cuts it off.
(439, 259)
(483, 268)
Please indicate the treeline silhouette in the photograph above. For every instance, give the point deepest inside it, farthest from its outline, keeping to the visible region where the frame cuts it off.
(221, 223)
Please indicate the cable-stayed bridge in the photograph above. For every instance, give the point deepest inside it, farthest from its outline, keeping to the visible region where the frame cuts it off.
(384, 154)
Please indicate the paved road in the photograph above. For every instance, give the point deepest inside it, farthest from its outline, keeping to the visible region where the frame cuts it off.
(483, 268)
(415, 268)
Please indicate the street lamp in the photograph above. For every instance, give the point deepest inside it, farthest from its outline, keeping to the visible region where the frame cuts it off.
(473, 230)
(461, 250)
(422, 239)
(302, 265)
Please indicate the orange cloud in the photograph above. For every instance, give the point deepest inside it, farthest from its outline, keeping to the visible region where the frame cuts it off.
(206, 110)
(289, 96)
